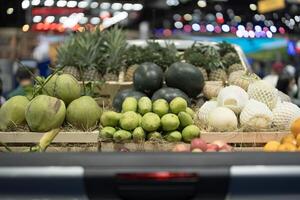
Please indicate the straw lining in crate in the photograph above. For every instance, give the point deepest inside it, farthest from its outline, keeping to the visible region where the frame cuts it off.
(64, 141)
(241, 141)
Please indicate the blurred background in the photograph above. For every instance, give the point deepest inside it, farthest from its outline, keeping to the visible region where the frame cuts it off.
(268, 31)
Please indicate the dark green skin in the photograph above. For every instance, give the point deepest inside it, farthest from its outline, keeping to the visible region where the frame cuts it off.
(169, 94)
(121, 96)
(148, 78)
(185, 77)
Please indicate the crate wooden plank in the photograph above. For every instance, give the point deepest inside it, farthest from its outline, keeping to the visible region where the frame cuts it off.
(62, 137)
(54, 149)
(243, 137)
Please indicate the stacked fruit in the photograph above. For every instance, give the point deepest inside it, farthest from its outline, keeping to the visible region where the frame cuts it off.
(143, 119)
(289, 143)
(200, 145)
(258, 108)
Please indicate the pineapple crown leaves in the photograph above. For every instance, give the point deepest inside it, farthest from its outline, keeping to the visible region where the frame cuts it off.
(230, 59)
(115, 43)
(225, 47)
(162, 56)
(205, 56)
(134, 55)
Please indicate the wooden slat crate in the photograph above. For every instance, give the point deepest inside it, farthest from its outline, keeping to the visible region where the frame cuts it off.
(64, 141)
(241, 141)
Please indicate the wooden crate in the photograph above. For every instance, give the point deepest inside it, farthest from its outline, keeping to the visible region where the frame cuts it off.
(241, 141)
(64, 141)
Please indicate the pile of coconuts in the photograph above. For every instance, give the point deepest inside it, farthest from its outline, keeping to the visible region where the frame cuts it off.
(144, 119)
(59, 102)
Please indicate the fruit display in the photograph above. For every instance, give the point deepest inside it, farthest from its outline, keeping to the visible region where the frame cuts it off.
(142, 119)
(259, 108)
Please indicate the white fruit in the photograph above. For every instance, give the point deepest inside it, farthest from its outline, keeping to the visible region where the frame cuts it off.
(256, 116)
(284, 114)
(205, 109)
(222, 119)
(233, 97)
(264, 92)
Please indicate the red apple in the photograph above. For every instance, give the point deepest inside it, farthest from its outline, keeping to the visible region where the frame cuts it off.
(198, 143)
(181, 148)
(212, 147)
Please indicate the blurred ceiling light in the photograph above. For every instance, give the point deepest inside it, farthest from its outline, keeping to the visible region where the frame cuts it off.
(61, 3)
(72, 4)
(72, 20)
(273, 29)
(297, 18)
(219, 15)
(269, 34)
(257, 28)
(104, 14)
(196, 27)
(176, 17)
(172, 2)
(251, 34)
(137, 7)
(241, 27)
(83, 4)
(50, 19)
(37, 19)
(35, 2)
(237, 19)
(115, 19)
(202, 3)
(95, 20)
(253, 7)
(25, 4)
(246, 34)
(25, 28)
(62, 19)
(105, 5)
(127, 6)
(49, 3)
(116, 6)
(178, 25)
(225, 28)
(240, 33)
(187, 17)
(94, 5)
(209, 27)
(9, 11)
(83, 20)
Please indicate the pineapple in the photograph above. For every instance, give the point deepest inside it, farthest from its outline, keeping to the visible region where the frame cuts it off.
(66, 57)
(204, 73)
(130, 72)
(110, 77)
(72, 71)
(235, 67)
(91, 74)
(225, 48)
(230, 59)
(218, 75)
(242, 79)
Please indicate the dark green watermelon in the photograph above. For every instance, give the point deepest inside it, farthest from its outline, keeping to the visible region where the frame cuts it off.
(185, 77)
(148, 78)
(169, 94)
(121, 96)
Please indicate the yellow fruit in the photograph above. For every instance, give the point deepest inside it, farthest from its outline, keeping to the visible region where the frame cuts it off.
(298, 140)
(290, 138)
(298, 149)
(287, 147)
(295, 127)
(271, 146)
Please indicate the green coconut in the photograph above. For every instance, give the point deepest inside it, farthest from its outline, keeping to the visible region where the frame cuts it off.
(129, 121)
(110, 118)
(12, 112)
(64, 87)
(84, 113)
(45, 113)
